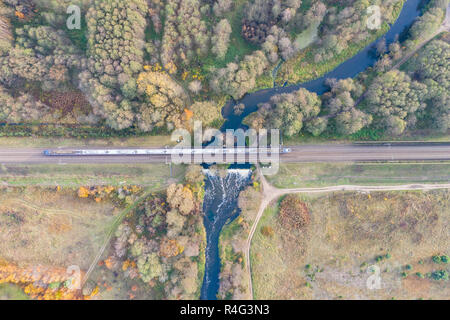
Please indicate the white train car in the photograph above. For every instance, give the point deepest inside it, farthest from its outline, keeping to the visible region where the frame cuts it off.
(155, 152)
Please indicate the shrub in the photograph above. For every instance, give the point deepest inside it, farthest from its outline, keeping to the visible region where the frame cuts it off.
(439, 275)
(267, 231)
(294, 213)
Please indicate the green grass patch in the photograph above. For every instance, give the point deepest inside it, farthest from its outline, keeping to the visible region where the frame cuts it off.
(155, 176)
(54, 142)
(297, 175)
(12, 292)
(307, 37)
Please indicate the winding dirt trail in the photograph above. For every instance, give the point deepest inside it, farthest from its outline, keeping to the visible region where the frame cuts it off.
(271, 193)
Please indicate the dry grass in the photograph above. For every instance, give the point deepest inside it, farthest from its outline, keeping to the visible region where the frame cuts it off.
(347, 232)
(48, 227)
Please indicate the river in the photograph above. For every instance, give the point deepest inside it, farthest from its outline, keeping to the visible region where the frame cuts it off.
(221, 193)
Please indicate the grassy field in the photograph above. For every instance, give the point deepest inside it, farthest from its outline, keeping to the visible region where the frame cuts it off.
(307, 37)
(42, 226)
(348, 235)
(74, 175)
(297, 175)
(37, 142)
(369, 134)
(11, 292)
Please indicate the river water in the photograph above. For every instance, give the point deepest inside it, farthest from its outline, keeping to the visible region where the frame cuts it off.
(221, 193)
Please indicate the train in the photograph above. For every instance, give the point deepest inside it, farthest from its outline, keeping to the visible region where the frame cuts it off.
(157, 152)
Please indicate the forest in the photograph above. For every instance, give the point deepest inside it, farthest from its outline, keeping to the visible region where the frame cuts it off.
(151, 66)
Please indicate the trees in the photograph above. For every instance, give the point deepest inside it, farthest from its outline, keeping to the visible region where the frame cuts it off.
(41, 54)
(206, 112)
(195, 86)
(185, 37)
(237, 79)
(393, 98)
(351, 121)
(159, 243)
(163, 101)
(313, 16)
(432, 67)
(181, 198)
(149, 266)
(343, 26)
(277, 44)
(261, 15)
(433, 63)
(316, 126)
(21, 109)
(116, 31)
(194, 174)
(340, 104)
(289, 111)
(221, 7)
(6, 37)
(248, 202)
(221, 38)
(427, 24)
(175, 222)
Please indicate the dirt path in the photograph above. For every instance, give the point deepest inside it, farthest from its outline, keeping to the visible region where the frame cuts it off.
(271, 193)
(444, 27)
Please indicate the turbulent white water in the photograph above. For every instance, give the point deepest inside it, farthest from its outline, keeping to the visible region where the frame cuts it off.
(220, 207)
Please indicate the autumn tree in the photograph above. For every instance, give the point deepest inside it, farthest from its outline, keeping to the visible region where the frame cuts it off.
(6, 36)
(23, 108)
(432, 67)
(185, 36)
(116, 31)
(393, 98)
(221, 38)
(278, 45)
(164, 101)
(427, 24)
(238, 79)
(289, 111)
(149, 266)
(340, 105)
(194, 174)
(206, 112)
(221, 7)
(181, 198)
(261, 15)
